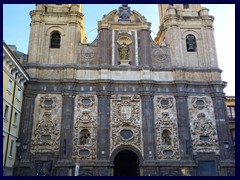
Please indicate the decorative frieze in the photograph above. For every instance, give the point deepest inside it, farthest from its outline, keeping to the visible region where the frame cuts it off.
(126, 122)
(167, 142)
(202, 125)
(46, 126)
(85, 127)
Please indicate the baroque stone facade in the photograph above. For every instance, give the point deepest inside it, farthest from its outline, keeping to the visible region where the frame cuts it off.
(124, 104)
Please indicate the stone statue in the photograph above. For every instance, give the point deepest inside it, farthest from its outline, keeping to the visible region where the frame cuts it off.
(124, 51)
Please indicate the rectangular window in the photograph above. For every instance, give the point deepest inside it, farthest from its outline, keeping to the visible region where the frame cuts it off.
(15, 118)
(18, 94)
(9, 85)
(6, 112)
(231, 113)
(11, 148)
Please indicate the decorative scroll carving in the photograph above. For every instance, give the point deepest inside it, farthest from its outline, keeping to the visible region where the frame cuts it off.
(48, 102)
(166, 128)
(165, 102)
(169, 173)
(200, 102)
(46, 130)
(126, 117)
(202, 124)
(85, 127)
(86, 101)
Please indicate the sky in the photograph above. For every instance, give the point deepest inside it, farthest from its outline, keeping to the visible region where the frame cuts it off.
(16, 29)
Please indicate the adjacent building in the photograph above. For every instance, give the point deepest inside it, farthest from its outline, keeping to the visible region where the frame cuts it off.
(124, 104)
(14, 77)
(230, 103)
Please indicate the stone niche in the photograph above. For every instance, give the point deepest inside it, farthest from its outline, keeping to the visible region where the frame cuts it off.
(126, 122)
(202, 124)
(47, 123)
(167, 143)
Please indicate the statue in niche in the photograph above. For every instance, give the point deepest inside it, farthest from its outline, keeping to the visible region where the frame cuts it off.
(124, 12)
(84, 137)
(166, 137)
(124, 51)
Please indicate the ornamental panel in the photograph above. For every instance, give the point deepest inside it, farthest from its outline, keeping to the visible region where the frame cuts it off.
(126, 122)
(202, 125)
(167, 142)
(85, 127)
(47, 123)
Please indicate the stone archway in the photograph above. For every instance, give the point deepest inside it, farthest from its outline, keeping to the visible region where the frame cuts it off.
(126, 163)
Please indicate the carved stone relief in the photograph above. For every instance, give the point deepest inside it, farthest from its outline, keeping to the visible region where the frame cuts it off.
(166, 127)
(126, 122)
(202, 125)
(160, 57)
(85, 124)
(47, 121)
(87, 55)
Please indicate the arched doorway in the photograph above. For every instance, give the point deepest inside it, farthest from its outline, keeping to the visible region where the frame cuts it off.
(126, 163)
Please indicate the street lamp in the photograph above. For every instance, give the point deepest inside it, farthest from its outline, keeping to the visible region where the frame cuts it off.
(21, 146)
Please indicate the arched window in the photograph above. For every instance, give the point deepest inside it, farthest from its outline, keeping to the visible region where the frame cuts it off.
(55, 40)
(191, 43)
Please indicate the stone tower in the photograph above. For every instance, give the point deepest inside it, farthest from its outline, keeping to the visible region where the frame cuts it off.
(56, 31)
(188, 30)
(124, 104)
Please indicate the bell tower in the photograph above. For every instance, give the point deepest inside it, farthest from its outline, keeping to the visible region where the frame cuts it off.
(56, 31)
(188, 30)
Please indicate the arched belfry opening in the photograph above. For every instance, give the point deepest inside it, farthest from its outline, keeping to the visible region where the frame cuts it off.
(126, 163)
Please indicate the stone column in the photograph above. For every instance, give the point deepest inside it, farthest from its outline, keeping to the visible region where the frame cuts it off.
(103, 145)
(148, 130)
(25, 134)
(103, 134)
(222, 125)
(145, 48)
(66, 139)
(183, 126)
(105, 43)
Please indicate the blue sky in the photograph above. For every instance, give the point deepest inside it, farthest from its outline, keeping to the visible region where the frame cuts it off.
(16, 29)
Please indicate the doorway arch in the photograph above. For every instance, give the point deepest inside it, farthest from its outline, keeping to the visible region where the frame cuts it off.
(126, 163)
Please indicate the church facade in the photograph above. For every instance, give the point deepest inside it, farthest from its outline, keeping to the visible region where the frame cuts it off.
(124, 105)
